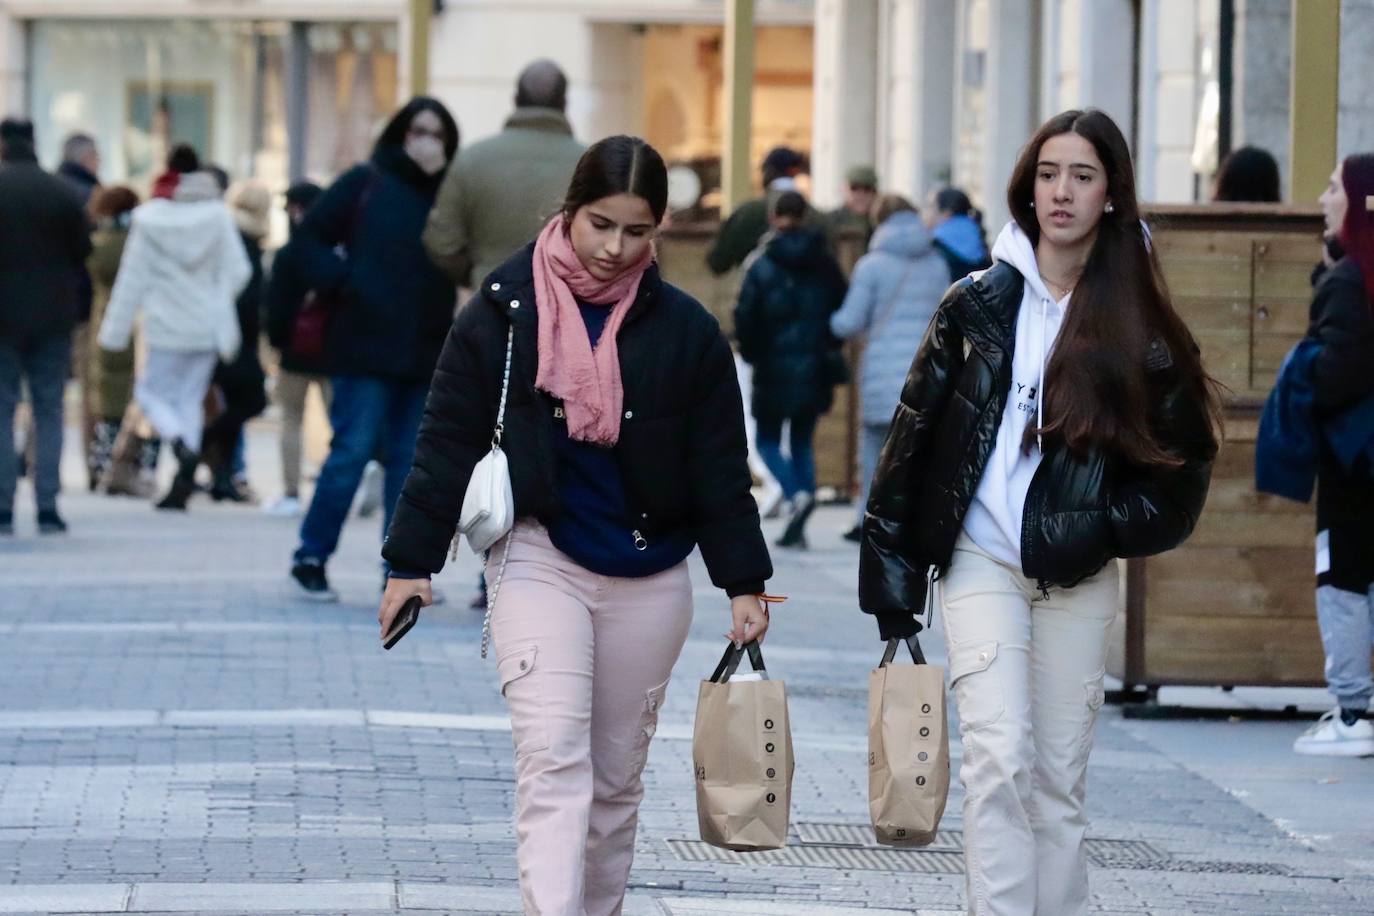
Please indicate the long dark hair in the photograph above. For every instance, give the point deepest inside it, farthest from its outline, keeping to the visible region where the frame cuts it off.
(1248, 174)
(394, 134)
(619, 165)
(1096, 390)
(1357, 231)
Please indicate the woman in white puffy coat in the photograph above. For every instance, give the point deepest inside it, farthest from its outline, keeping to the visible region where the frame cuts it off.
(183, 267)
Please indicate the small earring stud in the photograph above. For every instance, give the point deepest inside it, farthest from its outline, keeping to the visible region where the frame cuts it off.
(1032, 205)
(1110, 208)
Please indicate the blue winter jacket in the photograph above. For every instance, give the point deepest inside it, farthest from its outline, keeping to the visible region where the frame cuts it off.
(901, 255)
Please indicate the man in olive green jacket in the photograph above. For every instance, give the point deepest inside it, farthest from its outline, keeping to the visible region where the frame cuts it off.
(501, 191)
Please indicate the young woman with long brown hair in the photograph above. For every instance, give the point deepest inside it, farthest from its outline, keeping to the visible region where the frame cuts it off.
(1056, 417)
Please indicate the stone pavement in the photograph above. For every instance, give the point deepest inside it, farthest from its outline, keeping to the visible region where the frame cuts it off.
(178, 734)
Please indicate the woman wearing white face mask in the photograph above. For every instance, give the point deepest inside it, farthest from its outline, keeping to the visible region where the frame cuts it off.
(391, 309)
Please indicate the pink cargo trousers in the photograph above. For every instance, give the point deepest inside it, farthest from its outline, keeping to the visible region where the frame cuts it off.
(584, 661)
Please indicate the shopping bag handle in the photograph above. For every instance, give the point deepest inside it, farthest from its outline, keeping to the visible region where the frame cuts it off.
(913, 646)
(731, 659)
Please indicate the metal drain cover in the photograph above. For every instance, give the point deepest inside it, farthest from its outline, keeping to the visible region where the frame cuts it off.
(848, 857)
(852, 846)
(1103, 852)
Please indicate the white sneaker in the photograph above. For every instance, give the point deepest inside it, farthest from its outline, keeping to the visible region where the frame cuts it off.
(1331, 737)
(285, 507)
(370, 490)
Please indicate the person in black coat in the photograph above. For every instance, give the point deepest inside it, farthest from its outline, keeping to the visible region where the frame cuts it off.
(287, 294)
(240, 382)
(782, 324)
(624, 432)
(44, 241)
(360, 245)
(1342, 325)
(1056, 417)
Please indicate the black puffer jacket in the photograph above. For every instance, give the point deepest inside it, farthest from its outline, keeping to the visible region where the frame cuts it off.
(1080, 512)
(782, 323)
(682, 450)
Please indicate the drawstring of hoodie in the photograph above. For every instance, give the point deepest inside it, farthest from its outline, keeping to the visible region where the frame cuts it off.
(1044, 356)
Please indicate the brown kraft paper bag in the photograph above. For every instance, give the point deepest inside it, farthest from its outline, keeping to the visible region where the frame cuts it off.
(742, 754)
(908, 748)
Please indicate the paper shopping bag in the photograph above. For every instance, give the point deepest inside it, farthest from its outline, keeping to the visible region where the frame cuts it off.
(742, 754)
(908, 748)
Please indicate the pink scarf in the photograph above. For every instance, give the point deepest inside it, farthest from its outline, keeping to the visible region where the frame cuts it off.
(586, 380)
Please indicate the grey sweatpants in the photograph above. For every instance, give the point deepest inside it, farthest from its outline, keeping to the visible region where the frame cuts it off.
(1347, 624)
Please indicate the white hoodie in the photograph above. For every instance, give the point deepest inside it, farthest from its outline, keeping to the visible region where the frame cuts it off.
(184, 266)
(994, 520)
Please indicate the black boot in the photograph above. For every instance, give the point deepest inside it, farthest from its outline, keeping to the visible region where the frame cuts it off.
(794, 535)
(184, 484)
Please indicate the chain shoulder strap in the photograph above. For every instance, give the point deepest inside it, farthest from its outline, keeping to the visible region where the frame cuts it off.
(495, 588)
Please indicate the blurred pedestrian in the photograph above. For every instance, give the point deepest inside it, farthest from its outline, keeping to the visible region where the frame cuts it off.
(1057, 417)
(361, 242)
(782, 323)
(624, 432)
(109, 373)
(501, 190)
(958, 232)
(893, 294)
(183, 267)
(856, 213)
(240, 381)
(1248, 175)
(80, 166)
(44, 241)
(1342, 375)
(741, 233)
(287, 293)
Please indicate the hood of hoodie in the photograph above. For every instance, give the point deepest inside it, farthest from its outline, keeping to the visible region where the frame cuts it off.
(185, 232)
(797, 247)
(903, 234)
(963, 237)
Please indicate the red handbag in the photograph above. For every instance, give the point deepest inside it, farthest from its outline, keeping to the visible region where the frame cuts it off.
(312, 324)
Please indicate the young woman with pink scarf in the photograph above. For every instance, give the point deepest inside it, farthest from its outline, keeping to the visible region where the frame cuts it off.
(624, 430)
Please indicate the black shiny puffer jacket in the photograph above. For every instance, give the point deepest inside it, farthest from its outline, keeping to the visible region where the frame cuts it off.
(1081, 512)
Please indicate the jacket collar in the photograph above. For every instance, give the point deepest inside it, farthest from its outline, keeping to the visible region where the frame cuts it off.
(510, 287)
(549, 120)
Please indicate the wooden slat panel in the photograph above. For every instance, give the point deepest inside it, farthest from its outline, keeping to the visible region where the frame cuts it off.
(1233, 650)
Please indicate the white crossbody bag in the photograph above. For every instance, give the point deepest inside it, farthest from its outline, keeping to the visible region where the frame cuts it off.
(488, 505)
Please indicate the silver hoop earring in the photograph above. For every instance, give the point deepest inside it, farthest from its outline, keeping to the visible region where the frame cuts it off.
(1109, 208)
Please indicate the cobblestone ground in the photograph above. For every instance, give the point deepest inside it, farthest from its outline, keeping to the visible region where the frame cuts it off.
(179, 734)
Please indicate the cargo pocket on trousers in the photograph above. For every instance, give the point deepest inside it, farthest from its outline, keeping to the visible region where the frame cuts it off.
(977, 691)
(648, 724)
(528, 729)
(1094, 694)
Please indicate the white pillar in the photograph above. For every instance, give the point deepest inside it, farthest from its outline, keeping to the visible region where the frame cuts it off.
(13, 83)
(846, 78)
(1087, 55)
(1170, 91)
(1011, 114)
(1355, 124)
(916, 94)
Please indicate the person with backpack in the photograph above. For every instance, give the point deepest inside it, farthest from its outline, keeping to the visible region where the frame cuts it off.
(892, 295)
(1341, 332)
(624, 431)
(782, 324)
(1057, 417)
(361, 248)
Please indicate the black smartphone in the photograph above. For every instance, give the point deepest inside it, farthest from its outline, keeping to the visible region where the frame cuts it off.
(405, 619)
